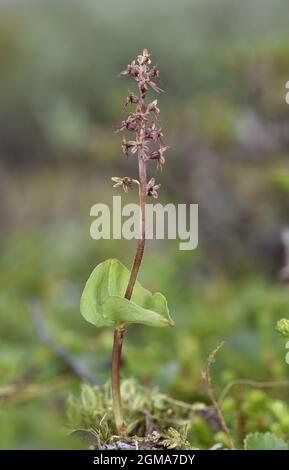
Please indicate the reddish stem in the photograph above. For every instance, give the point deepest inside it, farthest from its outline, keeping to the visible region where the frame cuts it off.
(119, 332)
(115, 380)
(141, 241)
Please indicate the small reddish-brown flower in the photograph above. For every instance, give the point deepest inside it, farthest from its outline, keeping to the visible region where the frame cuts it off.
(130, 124)
(132, 69)
(152, 107)
(138, 116)
(152, 188)
(144, 58)
(132, 99)
(153, 133)
(126, 146)
(135, 146)
(154, 73)
(158, 155)
(126, 182)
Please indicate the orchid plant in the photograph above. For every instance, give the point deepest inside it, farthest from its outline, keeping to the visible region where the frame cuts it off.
(112, 296)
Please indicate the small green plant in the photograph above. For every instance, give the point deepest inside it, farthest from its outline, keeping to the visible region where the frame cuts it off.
(112, 296)
(177, 439)
(283, 327)
(264, 441)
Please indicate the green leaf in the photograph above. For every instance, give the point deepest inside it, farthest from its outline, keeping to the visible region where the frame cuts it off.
(264, 441)
(103, 303)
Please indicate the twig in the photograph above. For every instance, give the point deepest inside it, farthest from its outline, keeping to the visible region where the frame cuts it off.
(19, 393)
(211, 394)
(179, 403)
(42, 333)
(251, 383)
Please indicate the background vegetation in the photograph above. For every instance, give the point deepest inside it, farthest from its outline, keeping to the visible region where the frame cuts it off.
(224, 66)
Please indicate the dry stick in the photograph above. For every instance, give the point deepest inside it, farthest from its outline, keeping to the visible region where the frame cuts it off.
(22, 392)
(251, 383)
(211, 394)
(119, 332)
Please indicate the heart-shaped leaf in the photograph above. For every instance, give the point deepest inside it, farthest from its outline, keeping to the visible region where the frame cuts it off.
(103, 303)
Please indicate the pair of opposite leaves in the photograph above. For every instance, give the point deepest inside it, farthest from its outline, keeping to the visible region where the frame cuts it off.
(103, 303)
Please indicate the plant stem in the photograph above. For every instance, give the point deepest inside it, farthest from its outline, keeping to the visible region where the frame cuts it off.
(115, 380)
(211, 393)
(119, 332)
(141, 241)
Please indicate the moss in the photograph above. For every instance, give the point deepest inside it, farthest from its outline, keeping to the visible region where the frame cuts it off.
(147, 412)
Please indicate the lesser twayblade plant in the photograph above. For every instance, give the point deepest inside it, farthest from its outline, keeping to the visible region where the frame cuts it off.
(112, 295)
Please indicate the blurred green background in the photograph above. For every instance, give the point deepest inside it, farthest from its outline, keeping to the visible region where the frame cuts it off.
(224, 66)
